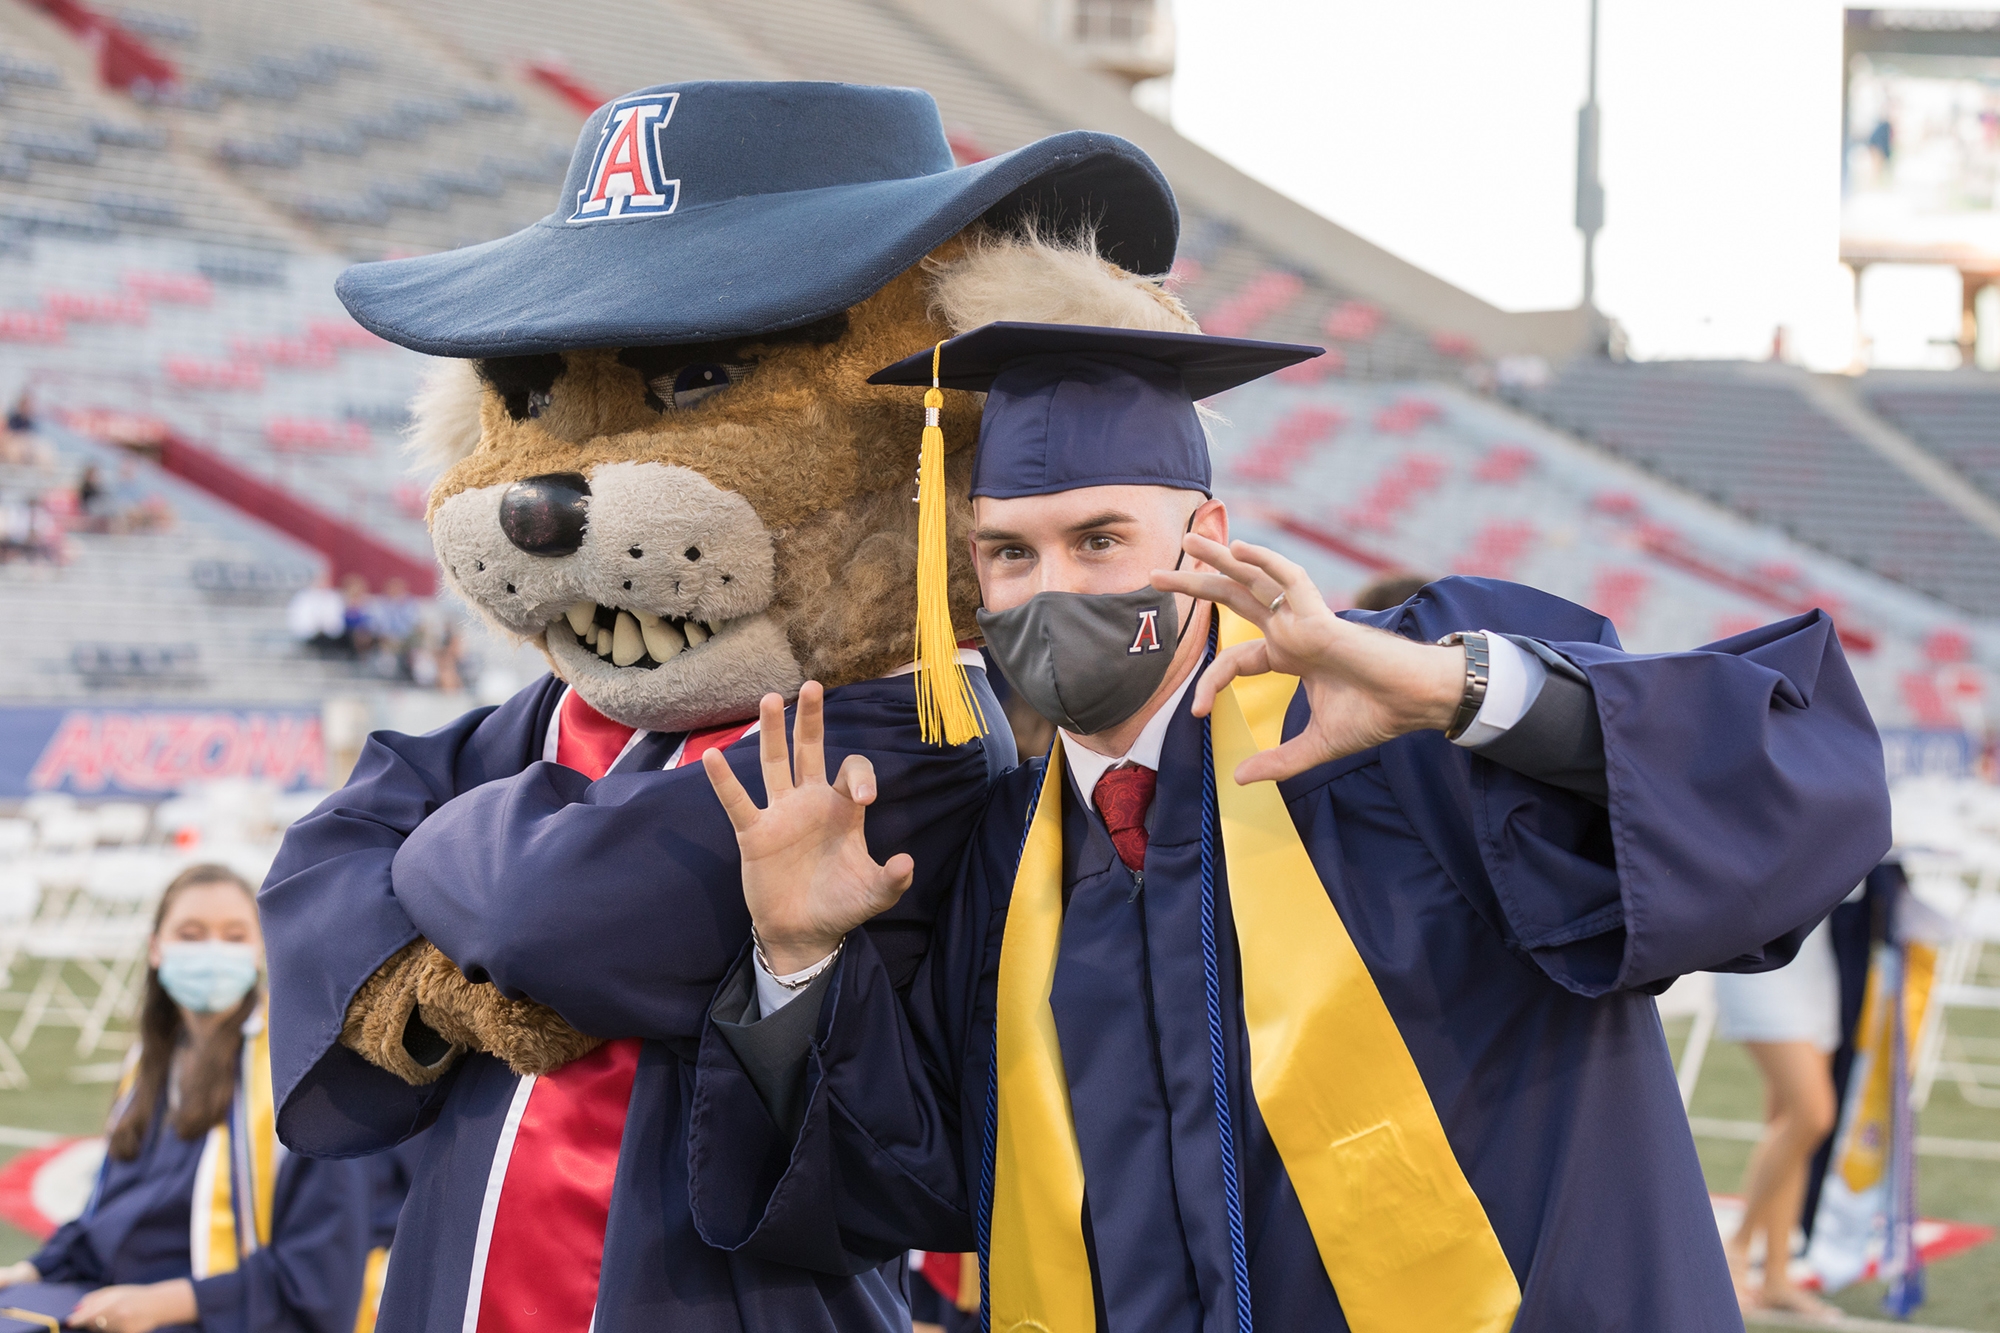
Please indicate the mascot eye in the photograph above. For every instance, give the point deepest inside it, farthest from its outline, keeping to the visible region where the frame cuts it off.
(691, 384)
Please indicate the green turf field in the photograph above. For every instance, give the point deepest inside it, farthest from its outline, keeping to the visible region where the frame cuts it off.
(1964, 1291)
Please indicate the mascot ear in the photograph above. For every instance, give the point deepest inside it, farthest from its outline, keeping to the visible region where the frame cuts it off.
(444, 416)
(1043, 279)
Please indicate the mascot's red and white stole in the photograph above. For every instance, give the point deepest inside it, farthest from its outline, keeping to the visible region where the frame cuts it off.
(540, 1245)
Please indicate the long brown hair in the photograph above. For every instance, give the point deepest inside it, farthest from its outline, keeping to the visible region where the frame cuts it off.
(208, 1083)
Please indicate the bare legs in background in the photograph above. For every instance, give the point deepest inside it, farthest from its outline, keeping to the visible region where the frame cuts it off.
(1798, 1115)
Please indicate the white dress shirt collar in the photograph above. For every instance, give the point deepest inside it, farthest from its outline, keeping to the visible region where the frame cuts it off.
(1087, 765)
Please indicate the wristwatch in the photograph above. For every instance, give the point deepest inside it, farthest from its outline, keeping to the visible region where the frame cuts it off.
(1476, 678)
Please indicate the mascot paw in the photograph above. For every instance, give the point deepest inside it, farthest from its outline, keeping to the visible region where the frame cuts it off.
(378, 1020)
(420, 982)
(531, 1038)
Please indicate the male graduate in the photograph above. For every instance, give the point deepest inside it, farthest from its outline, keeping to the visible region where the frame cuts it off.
(1352, 1031)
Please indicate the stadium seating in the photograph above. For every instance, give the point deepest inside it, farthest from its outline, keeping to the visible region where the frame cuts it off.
(1749, 437)
(293, 126)
(271, 374)
(1358, 479)
(1956, 417)
(193, 610)
(167, 259)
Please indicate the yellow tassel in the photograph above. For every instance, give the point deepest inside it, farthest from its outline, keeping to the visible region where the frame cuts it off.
(946, 711)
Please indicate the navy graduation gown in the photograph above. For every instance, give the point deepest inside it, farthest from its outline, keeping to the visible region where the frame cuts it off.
(1515, 931)
(307, 1280)
(617, 903)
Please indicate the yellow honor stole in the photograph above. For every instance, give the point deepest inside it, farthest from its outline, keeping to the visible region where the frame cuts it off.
(1403, 1238)
(236, 1182)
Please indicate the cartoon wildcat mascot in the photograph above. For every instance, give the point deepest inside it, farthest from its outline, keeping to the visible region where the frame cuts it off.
(665, 468)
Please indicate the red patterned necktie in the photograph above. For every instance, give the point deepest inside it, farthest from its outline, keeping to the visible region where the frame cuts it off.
(1122, 797)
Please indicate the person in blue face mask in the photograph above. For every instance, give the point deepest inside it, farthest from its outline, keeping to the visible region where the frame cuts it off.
(200, 1218)
(1307, 982)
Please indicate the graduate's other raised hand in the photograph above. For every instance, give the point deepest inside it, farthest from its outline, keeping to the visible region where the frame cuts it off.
(807, 876)
(1365, 686)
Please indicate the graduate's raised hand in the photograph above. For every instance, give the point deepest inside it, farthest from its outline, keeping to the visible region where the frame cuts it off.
(1365, 686)
(807, 876)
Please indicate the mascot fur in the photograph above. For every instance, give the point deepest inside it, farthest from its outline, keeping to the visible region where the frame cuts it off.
(663, 466)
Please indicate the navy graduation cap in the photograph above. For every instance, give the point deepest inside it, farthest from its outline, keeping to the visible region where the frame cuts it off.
(1071, 405)
(1067, 406)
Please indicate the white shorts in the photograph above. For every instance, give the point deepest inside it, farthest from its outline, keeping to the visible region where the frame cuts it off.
(1798, 1002)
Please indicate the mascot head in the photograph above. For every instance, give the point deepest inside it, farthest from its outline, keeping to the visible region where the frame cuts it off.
(662, 461)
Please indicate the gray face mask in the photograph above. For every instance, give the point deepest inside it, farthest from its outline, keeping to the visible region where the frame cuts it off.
(1085, 661)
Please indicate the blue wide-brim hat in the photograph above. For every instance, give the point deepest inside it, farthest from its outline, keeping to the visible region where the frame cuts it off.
(696, 212)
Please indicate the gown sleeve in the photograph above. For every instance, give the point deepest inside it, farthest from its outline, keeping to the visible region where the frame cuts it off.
(619, 903)
(66, 1256)
(331, 918)
(1744, 796)
(309, 1277)
(864, 1157)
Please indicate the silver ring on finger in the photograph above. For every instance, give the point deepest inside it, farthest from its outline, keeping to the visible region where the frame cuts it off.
(1276, 602)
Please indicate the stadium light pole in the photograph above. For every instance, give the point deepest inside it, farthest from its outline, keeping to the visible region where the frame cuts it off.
(1589, 189)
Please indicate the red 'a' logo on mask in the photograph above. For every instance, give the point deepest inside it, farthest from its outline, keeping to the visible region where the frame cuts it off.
(1147, 640)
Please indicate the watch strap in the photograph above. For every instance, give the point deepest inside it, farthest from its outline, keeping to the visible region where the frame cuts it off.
(1477, 676)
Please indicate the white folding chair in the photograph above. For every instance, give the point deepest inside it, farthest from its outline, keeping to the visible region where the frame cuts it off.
(1968, 978)
(88, 936)
(19, 896)
(67, 831)
(17, 838)
(123, 823)
(1692, 996)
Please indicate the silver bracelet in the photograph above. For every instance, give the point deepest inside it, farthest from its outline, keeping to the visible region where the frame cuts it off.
(798, 983)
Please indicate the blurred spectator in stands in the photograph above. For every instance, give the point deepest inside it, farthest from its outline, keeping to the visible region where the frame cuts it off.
(435, 653)
(1789, 1021)
(391, 623)
(395, 614)
(1387, 590)
(354, 602)
(21, 416)
(90, 501)
(28, 530)
(317, 618)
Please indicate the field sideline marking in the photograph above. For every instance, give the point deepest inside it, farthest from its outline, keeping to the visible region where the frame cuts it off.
(1778, 1319)
(1749, 1131)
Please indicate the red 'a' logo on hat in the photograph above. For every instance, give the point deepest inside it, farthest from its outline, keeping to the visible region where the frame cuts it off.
(624, 179)
(1147, 640)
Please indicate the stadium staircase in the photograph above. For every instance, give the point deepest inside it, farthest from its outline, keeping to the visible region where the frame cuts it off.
(1956, 417)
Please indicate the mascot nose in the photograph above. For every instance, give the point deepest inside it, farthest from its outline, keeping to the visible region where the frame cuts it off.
(546, 515)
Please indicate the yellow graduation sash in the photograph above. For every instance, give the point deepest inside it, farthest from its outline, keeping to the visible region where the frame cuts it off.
(1403, 1238)
(236, 1182)
(372, 1279)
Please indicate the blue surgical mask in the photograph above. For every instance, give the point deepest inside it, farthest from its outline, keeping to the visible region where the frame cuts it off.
(207, 976)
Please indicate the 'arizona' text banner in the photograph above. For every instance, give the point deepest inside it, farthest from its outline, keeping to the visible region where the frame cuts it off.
(142, 751)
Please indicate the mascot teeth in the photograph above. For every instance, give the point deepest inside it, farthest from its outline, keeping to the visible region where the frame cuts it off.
(630, 638)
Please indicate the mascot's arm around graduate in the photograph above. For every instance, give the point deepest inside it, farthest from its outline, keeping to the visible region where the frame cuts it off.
(1315, 994)
(200, 1217)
